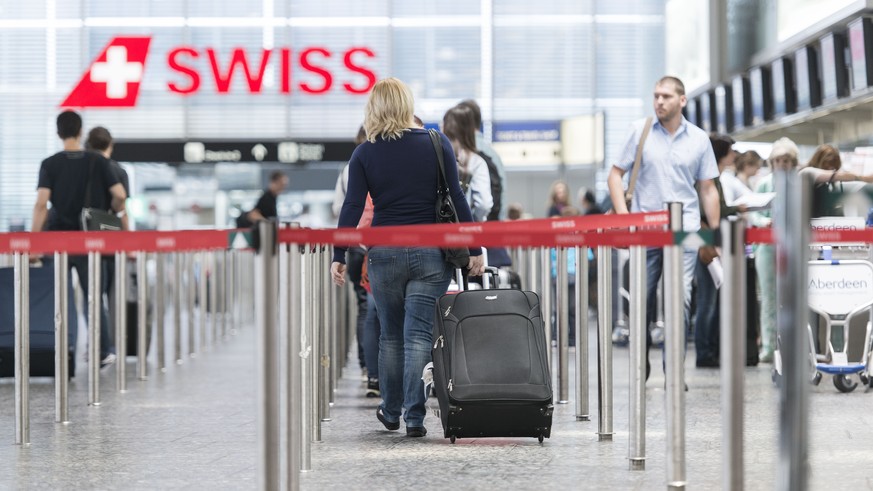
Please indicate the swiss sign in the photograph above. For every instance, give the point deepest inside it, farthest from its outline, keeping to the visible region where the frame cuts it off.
(113, 79)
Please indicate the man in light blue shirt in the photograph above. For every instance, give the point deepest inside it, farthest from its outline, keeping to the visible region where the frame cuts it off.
(677, 156)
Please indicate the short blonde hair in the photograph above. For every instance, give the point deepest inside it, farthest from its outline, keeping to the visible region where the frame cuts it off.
(389, 110)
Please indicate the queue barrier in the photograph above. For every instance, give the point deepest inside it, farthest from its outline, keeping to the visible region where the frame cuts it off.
(310, 353)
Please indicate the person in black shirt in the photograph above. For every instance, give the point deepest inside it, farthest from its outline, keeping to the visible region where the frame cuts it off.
(100, 141)
(63, 181)
(265, 208)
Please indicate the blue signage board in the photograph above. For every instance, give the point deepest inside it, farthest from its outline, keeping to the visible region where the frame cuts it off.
(527, 131)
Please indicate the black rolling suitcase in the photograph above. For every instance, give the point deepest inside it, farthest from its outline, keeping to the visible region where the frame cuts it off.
(491, 372)
(42, 322)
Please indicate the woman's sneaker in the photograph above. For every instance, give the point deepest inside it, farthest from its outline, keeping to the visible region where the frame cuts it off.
(373, 387)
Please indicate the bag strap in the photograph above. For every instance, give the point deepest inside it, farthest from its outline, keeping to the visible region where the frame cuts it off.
(91, 160)
(442, 182)
(638, 159)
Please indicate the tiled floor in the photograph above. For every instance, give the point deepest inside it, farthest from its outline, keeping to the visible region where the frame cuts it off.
(194, 427)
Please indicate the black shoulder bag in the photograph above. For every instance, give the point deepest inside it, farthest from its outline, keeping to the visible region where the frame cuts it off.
(94, 218)
(458, 257)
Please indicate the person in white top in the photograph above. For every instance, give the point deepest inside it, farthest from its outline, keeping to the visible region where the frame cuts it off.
(459, 128)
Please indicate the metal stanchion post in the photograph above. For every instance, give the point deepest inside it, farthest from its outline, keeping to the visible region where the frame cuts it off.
(791, 231)
(674, 344)
(315, 336)
(229, 300)
(532, 279)
(192, 292)
(178, 257)
(160, 311)
(266, 285)
(326, 337)
(213, 296)
(637, 349)
(21, 273)
(733, 350)
(562, 316)
(142, 344)
(284, 305)
(121, 320)
(294, 389)
(94, 328)
(201, 296)
(306, 350)
(546, 297)
(581, 326)
(223, 289)
(62, 347)
(604, 344)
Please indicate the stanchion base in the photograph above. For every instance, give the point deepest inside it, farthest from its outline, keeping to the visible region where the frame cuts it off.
(563, 402)
(676, 485)
(324, 420)
(604, 437)
(637, 464)
(583, 418)
(94, 403)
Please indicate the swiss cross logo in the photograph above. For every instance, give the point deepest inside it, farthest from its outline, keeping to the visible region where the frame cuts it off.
(113, 79)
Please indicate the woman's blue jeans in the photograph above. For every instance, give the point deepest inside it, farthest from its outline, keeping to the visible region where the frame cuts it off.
(406, 283)
(372, 330)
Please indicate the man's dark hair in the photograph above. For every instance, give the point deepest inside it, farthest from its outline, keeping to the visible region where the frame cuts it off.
(69, 125)
(276, 175)
(477, 112)
(680, 87)
(99, 139)
(721, 145)
(458, 125)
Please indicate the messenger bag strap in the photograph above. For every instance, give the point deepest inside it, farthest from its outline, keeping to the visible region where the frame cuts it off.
(638, 159)
(91, 160)
(442, 182)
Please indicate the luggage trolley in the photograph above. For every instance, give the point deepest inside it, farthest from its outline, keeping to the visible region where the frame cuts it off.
(838, 291)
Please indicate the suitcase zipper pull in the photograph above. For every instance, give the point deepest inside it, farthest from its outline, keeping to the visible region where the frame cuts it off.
(439, 342)
(450, 385)
(448, 310)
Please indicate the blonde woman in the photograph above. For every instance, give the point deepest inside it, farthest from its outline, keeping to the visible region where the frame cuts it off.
(559, 198)
(397, 166)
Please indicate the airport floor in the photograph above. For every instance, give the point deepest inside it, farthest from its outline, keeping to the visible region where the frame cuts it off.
(194, 427)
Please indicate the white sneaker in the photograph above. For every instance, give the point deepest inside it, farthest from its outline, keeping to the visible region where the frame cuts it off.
(109, 360)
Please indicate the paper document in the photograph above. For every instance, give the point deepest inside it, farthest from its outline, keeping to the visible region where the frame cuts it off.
(717, 272)
(754, 201)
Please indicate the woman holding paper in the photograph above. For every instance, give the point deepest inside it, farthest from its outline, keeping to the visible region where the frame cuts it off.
(708, 271)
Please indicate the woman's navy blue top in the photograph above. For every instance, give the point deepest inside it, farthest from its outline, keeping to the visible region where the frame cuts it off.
(401, 177)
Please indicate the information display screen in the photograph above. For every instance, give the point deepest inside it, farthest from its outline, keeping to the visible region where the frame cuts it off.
(762, 95)
(806, 78)
(834, 73)
(721, 110)
(704, 112)
(784, 100)
(740, 102)
(860, 48)
(691, 111)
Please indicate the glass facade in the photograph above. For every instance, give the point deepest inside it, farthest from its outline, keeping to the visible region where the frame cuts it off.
(522, 61)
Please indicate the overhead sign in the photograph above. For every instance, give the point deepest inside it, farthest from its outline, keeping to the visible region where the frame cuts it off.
(113, 79)
(528, 143)
(180, 151)
(527, 131)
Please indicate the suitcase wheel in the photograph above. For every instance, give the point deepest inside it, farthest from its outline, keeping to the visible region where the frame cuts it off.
(452, 438)
(540, 438)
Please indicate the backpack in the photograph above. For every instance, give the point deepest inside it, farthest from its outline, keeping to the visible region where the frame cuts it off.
(496, 187)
